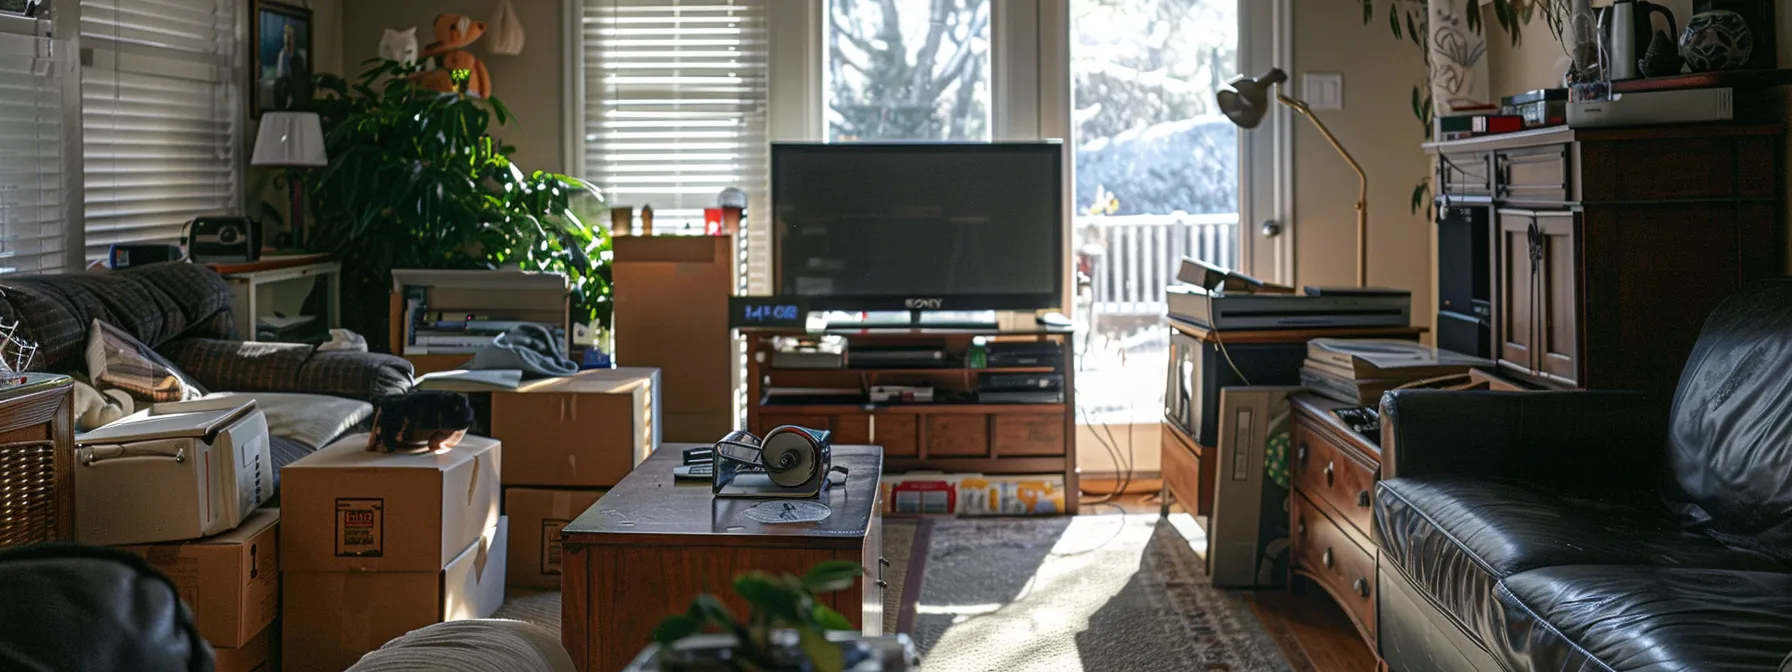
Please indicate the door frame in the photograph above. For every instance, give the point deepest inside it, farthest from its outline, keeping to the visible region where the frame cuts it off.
(1266, 154)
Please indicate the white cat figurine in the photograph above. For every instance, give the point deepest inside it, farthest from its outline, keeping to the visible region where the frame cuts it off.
(399, 45)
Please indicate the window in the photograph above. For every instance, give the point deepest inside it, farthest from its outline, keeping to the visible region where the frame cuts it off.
(674, 103)
(1156, 180)
(907, 70)
(34, 73)
(160, 117)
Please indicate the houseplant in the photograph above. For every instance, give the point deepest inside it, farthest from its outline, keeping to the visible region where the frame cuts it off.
(786, 628)
(415, 180)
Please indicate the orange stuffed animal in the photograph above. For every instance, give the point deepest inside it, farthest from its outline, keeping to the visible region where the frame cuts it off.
(456, 71)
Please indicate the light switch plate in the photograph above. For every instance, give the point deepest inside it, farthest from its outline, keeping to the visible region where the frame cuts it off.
(1323, 90)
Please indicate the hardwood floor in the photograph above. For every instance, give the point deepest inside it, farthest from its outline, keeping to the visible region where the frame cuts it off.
(1311, 630)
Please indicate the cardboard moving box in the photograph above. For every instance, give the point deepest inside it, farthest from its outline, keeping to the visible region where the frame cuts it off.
(332, 618)
(230, 581)
(255, 656)
(586, 430)
(535, 542)
(345, 508)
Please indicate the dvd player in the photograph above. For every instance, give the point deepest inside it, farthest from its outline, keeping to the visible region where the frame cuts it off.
(1315, 308)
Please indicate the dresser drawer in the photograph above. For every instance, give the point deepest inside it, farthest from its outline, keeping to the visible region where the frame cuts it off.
(1464, 175)
(1325, 553)
(1334, 475)
(1030, 434)
(1533, 174)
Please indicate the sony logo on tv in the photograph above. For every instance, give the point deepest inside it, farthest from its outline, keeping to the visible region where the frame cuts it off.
(924, 304)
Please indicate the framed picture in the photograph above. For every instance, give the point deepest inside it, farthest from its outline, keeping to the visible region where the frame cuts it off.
(280, 62)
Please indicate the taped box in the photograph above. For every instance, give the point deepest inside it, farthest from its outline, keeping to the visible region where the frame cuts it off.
(347, 509)
(537, 516)
(330, 619)
(230, 581)
(1041, 495)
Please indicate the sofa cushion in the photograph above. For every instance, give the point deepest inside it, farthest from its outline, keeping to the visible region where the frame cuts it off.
(313, 420)
(154, 304)
(1730, 438)
(1592, 617)
(1455, 538)
(290, 367)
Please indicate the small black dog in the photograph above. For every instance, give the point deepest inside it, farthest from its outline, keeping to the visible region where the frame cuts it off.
(421, 420)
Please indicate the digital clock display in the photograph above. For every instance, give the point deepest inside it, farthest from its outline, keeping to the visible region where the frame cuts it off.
(765, 311)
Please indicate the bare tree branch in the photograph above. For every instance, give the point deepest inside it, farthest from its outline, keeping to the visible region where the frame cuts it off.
(966, 49)
(930, 48)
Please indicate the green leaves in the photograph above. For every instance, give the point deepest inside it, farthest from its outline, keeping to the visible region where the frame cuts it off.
(416, 181)
(832, 575)
(782, 602)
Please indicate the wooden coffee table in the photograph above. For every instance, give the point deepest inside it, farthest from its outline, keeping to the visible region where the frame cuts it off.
(650, 546)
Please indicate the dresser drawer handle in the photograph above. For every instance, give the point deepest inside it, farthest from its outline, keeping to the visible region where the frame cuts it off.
(1330, 473)
(1326, 559)
(884, 562)
(1301, 453)
(1301, 527)
(883, 584)
(1362, 498)
(1361, 585)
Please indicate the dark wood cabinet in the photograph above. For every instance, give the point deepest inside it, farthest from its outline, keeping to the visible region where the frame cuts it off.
(1610, 246)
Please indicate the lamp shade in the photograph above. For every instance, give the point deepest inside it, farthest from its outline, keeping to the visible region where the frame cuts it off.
(290, 139)
(1245, 100)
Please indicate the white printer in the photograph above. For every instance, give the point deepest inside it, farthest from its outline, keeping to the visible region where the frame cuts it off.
(172, 472)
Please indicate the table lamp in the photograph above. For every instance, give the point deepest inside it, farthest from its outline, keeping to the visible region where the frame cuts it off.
(291, 140)
(1245, 100)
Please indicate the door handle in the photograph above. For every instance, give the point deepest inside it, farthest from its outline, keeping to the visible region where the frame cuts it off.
(1271, 228)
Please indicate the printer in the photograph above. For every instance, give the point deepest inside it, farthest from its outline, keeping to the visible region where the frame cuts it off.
(172, 472)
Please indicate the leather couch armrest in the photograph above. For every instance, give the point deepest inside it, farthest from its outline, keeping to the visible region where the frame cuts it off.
(1592, 438)
(238, 366)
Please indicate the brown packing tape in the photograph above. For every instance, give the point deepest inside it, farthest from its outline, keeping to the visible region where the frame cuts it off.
(479, 558)
(562, 507)
(357, 614)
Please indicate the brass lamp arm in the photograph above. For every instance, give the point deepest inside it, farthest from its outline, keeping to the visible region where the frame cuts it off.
(1362, 197)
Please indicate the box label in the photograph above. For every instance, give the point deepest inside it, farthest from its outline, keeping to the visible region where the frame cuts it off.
(360, 528)
(550, 546)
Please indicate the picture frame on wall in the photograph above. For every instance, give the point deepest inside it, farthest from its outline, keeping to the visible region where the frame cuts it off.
(280, 59)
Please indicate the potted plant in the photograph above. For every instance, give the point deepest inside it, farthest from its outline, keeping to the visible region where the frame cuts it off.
(415, 180)
(786, 628)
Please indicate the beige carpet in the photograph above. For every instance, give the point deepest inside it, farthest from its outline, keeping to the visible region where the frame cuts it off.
(543, 607)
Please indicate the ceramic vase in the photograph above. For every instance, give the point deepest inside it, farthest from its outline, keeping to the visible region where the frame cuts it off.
(1458, 58)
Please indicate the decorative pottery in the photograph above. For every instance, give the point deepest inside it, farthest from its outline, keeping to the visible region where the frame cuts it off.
(1663, 58)
(1458, 57)
(1716, 40)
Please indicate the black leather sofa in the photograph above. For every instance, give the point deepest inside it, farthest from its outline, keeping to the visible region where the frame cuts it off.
(1598, 530)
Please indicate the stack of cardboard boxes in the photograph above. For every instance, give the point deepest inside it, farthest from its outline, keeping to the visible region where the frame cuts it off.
(566, 441)
(231, 582)
(379, 544)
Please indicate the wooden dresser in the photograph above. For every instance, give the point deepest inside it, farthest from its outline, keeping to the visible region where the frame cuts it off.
(1610, 246)
(1333, 472)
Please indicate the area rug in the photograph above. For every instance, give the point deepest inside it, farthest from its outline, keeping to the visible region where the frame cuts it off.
(1092, 592)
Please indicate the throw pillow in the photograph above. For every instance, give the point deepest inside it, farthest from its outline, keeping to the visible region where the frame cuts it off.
(117, 359)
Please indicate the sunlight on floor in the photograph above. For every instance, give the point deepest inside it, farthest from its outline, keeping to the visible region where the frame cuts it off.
(1094, 559)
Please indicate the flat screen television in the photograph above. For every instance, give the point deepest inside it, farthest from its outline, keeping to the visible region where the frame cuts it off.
(919, 226)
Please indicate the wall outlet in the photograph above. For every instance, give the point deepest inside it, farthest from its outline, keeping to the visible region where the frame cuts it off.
(1323, 90)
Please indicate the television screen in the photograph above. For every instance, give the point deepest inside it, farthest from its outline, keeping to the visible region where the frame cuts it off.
(923, 226)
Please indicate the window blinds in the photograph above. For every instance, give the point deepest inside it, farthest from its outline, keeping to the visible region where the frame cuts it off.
(33, 74)
(675, 110)
(160, 94)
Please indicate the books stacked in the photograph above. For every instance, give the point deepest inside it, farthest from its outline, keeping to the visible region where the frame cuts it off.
(1358, 371)
(438, 333)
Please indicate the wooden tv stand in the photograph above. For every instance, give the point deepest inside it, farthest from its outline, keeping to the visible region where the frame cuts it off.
(948, 436)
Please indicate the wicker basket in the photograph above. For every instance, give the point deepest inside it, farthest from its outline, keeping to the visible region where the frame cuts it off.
(37, 461)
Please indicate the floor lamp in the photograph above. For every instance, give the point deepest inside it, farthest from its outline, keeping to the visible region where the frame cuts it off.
(1245, 100)
(291, 140)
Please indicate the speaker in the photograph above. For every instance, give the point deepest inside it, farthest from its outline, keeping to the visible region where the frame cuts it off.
(1463, 258)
